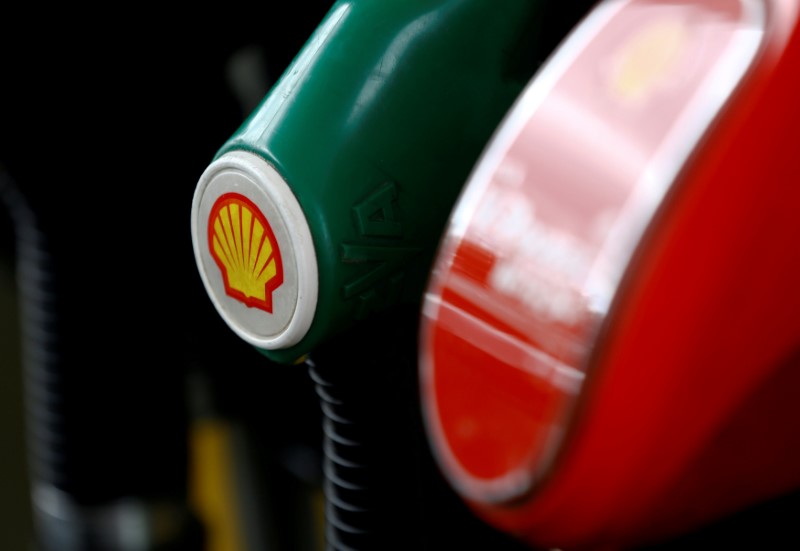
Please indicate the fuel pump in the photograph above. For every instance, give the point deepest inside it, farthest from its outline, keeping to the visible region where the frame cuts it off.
(609, 345)
(315, 224)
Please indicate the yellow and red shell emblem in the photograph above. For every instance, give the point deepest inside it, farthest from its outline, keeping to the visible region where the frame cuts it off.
(244, 247)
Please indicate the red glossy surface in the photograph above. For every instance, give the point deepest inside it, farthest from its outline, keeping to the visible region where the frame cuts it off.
(614, 204)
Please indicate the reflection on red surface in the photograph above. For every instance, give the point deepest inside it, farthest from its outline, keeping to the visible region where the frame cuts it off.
(585, 325)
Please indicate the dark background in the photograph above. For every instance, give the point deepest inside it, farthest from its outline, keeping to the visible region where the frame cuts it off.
(106, 123)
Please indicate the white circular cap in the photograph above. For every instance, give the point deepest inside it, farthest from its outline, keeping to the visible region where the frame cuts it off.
(254, 250)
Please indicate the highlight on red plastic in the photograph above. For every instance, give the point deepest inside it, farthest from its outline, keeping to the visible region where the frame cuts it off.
(600, 306)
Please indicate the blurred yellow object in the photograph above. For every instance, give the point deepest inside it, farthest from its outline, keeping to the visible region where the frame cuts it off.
(212, 485)
(648, 59)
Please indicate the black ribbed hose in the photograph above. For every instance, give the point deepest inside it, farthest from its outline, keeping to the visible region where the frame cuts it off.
(349, 504)
(373, 447)
(91, 446)
(36, 286)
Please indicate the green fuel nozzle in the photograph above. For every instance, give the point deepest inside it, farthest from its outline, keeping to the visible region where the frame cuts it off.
(329, 201)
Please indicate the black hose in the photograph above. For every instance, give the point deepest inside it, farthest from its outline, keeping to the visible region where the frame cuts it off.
(42, 377)
(85, 458)
(346, 462)
(374, 456)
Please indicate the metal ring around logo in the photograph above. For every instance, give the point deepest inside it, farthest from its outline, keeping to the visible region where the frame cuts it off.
(254, 251)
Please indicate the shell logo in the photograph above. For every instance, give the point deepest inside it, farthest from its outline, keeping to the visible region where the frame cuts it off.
(244, 247)
(649, 61)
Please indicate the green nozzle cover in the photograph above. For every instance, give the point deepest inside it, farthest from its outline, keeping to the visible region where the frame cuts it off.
(329, 202)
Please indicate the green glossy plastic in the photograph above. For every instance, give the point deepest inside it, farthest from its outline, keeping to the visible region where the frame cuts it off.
(376, 126)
